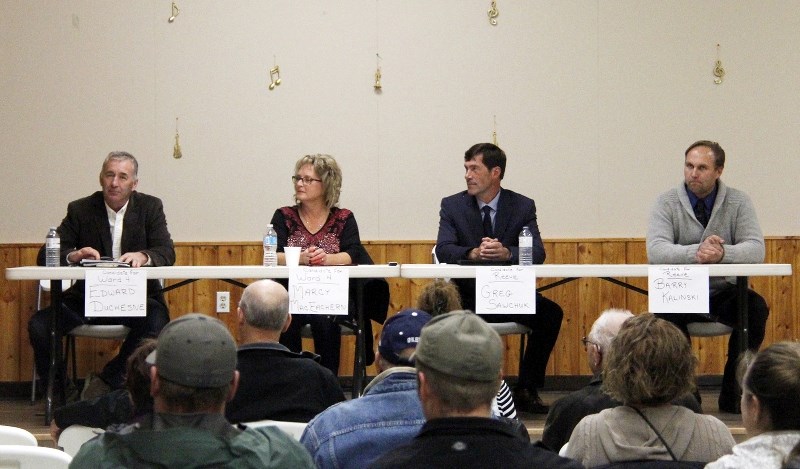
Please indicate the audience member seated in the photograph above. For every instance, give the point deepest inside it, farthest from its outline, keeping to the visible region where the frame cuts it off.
(649, 364)
(328, 235)
(193, 374)
(570, 409)
(770, 411)
(276, 383)
(353, 434)
(121, 406)
(459, 362)
(440, 297)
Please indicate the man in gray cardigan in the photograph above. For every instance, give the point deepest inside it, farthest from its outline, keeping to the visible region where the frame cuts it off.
(703, 221)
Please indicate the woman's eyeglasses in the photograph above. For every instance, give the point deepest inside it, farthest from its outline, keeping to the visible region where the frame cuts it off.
(586, 342)
(306, 180)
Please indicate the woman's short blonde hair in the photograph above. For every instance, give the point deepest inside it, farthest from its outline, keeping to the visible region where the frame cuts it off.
(328, 170)
(650, 362)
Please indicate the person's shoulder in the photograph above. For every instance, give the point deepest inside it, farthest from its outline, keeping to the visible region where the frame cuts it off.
(535, 456)
(142, 198)
(458, 197)
(95, 199)
(279, 444)
(342, 213)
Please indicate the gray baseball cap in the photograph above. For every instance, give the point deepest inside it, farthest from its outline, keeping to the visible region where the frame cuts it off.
(462, 345)
(195, 350)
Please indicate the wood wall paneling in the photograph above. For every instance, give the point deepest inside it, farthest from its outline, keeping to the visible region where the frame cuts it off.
(582, 300)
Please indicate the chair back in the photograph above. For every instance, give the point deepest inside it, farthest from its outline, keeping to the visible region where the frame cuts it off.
(74, 436)
(33, 457)
(294, 429)
(16, 436)
(708, 329)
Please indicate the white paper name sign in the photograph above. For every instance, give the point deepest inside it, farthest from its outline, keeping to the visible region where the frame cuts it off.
(505, 290)
(115, 293)
(678, 289)
(318, 290)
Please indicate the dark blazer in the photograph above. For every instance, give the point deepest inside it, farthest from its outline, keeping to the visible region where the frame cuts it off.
(144, 230)
(461, 226)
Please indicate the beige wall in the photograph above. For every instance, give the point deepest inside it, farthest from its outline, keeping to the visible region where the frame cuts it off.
(595, 102)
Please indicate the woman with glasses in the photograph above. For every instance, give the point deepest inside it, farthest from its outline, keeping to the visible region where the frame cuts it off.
(328, 235)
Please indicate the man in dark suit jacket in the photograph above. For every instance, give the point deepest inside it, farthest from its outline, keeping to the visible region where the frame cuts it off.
(88, 231)
(463, 236)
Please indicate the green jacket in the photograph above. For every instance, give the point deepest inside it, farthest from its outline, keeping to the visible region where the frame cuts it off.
(187, 447)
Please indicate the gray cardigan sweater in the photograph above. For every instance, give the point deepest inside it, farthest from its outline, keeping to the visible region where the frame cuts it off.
(674, 234)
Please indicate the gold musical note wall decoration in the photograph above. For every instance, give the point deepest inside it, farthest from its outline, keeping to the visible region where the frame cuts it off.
(493, 13)
(378, 87)
(494, 131)
(176, 150)
(719, 72)
(274, 75)
(175, 12)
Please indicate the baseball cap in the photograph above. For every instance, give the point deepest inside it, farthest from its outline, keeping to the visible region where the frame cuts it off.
(462, 345)
(195, 350)
(400, 332)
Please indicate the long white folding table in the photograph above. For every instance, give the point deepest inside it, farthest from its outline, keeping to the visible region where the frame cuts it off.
(569, 272)
(187, 274)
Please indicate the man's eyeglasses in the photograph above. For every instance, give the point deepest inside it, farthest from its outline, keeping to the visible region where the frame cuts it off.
(586, 342)
(306, 180)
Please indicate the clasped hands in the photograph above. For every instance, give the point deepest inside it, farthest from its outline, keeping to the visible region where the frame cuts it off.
(711, 250)
(491, 250)
(313, 256)
(135, 259)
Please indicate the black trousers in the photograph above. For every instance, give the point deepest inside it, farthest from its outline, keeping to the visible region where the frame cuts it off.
(72, 316)
(545, 326)
(723, 308)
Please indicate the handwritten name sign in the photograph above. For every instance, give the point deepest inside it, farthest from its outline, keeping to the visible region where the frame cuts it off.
(505, 290)
(115, 293)
(678, 289)
(318, 290)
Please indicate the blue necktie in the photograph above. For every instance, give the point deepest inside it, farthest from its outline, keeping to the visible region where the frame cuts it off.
(701, 213)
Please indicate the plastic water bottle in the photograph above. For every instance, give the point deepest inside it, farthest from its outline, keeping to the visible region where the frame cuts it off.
(270, 247)
(52, 248)
(525, 247)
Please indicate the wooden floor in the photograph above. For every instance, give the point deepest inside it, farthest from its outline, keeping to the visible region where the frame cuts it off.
(21, 413)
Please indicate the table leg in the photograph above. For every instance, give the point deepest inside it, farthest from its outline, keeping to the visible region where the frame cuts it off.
(741, 306)
(359, 368)
(55, 351)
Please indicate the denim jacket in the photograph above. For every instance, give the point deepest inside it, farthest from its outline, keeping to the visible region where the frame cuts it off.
(354, 433)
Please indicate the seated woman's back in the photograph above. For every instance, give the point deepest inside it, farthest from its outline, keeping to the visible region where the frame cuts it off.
(647, 365)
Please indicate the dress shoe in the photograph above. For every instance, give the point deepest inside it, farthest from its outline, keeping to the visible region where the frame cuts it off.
(529, 401)
(730, 403)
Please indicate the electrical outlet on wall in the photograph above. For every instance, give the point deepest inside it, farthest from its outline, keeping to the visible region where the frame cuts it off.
(223, 302)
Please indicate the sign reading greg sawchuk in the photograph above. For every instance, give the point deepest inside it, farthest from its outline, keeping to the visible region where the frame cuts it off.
(505, 290)
(318, 290)
(116, 293)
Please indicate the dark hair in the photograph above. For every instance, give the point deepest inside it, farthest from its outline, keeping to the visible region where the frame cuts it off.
(189, 400)
(492, 156)
(719, 153)
(650, 362)
(137, 376)
(774, 378)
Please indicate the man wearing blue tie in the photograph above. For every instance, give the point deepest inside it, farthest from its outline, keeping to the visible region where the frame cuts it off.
(483, 223)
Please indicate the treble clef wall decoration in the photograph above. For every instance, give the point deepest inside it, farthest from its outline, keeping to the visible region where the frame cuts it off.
(493, 13)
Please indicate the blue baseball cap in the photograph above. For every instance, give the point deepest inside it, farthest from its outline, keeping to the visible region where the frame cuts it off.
(401, 332)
